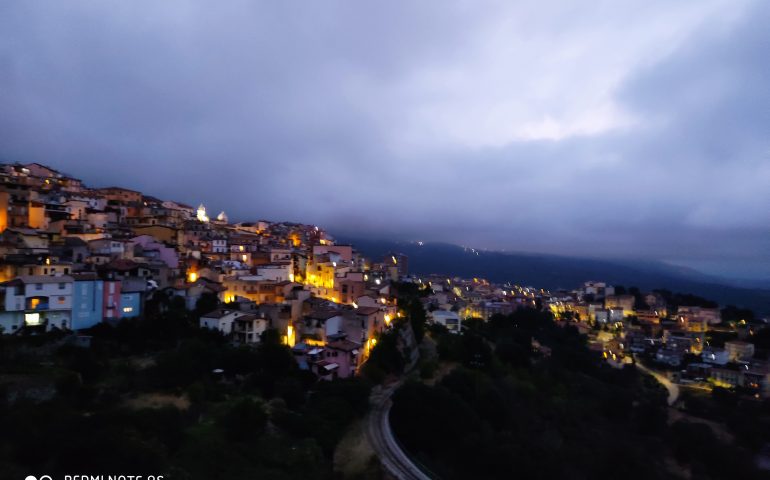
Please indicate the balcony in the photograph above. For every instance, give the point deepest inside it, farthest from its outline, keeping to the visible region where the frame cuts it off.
(36, 304)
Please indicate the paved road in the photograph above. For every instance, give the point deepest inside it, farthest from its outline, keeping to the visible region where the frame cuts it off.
(673, 388)
(393, 458)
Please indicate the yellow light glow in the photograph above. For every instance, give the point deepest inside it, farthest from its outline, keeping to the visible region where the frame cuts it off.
(395, 262)
(290, 336)
(387, 319)
(192, 277)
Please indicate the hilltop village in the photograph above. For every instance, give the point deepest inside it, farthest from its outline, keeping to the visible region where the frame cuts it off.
(75, 256)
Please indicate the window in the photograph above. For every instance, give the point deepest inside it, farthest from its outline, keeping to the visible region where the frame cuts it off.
(66, 271)
(62, 300)
(38, 286)
(62, 286)
(128, 309)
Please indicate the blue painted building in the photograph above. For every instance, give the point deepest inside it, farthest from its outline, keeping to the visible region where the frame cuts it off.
(87, 301)
(130, 304)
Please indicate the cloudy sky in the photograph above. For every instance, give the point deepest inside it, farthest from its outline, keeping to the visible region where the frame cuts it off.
(609, 128)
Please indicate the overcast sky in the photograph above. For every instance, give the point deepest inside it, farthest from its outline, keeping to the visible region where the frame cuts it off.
(608, 128)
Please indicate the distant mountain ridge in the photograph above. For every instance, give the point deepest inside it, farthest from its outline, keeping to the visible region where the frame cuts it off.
(555, 272)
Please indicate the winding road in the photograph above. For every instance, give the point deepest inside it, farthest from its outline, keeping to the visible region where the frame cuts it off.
(673, 388)
(380, 435)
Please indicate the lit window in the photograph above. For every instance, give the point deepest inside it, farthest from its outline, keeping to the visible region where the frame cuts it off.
(32, 318)
(128, 309)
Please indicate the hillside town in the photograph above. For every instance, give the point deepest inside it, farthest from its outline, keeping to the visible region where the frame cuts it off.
(75, 256)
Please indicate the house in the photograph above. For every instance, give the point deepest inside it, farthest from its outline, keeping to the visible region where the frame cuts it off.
(728, 376)
(601, 315)
(248, 328)
(368, 322)
(709, 316)
(349, 287)
(338, 359)
(276, 272)
(625, 302)
(148, 247)
(450, 320)
(318, 325)
(87, 301)
(669, 356)
(221, 320)
(111, 300)
(107, 246)
(38, 301)
(192, 292)
(131, 297)
(739, 350)
(716, 356)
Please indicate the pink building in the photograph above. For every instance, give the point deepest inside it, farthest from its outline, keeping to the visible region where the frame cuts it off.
(338, 359)
(111, 305)
(152, 248)
(344, 251)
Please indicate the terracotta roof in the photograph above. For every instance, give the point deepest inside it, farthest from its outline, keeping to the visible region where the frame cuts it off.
(323, 314)
(44, 279)
(344, 345)
(327, 365)
(121, 264)
(219, 313)
(367, 310)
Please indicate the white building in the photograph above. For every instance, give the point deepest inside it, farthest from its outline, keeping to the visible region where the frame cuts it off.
(717, 356)
(450, 320)
(37, 300)
(277, 273)
(221, 320)
(249, 328)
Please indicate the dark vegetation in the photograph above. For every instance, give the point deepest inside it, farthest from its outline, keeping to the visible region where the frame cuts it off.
(509, 410)
(244, 412)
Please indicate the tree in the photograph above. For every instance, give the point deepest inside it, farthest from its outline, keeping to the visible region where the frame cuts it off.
(244, 421)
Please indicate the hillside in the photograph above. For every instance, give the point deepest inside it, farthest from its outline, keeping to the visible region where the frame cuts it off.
(555, 272)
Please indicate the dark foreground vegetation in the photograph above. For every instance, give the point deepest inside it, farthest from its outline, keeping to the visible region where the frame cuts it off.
(515, 409)
(161, 396)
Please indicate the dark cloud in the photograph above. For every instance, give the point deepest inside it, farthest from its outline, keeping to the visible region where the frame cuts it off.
(638, 130)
